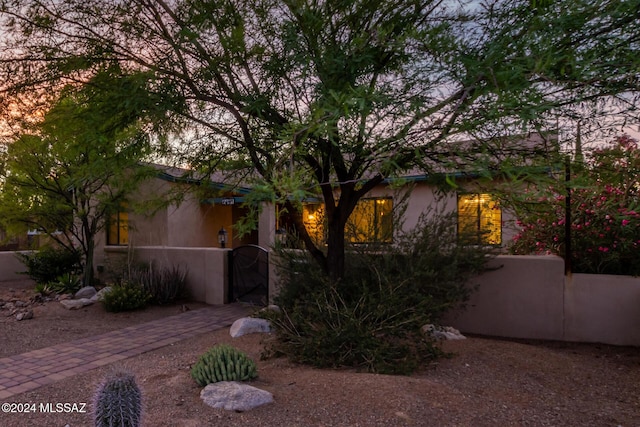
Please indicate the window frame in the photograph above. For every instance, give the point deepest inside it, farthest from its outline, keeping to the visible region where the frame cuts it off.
(118, 227)
(482, 235)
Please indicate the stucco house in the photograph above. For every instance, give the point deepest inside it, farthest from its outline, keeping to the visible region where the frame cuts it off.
(196, 219)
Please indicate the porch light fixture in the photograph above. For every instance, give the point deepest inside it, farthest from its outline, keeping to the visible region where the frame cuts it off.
(281, 235)
(222, 238)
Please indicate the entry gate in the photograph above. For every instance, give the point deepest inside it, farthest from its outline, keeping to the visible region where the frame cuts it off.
(249, 275)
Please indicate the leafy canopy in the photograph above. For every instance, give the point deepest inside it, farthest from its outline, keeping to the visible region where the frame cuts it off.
(329, 98)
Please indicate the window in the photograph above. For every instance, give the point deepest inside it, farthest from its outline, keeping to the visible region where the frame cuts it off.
(118, 228)
(479, 219)
(370, 222)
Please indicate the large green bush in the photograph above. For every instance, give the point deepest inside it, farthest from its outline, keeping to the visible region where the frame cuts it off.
(372, 318)
(48, 264)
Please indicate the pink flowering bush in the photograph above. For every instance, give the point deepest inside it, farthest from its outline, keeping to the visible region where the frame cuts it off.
(605, 213)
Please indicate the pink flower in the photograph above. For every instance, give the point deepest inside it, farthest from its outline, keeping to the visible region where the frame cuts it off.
(625, 222)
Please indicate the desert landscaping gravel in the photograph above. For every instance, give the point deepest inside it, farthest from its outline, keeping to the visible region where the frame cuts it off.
(485, 382)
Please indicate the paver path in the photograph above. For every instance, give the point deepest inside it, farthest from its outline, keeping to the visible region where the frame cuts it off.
(28, 371)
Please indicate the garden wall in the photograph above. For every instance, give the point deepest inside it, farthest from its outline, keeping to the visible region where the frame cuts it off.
(530, 297)
(207, 277)
(520, 297)
(10, 267)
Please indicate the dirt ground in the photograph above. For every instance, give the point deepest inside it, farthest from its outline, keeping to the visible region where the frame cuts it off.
(486, 382)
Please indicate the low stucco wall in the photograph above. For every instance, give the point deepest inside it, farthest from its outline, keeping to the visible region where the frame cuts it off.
(520, 297)
(11, 267)
(207, 277)
(602, 308)
(530, 297)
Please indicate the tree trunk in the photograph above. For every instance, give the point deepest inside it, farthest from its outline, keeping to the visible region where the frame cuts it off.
(335, 261)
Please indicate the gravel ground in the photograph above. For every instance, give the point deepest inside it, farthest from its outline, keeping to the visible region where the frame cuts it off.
(486, 382)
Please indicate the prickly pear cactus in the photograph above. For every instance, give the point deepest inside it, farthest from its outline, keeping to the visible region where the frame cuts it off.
(223, 363)
(118, 401)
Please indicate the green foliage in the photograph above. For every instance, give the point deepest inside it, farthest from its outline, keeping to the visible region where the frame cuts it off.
(118, 401)
(125, 297)
(372, 318)
(69, 170)
(48, 264)
(330, 93)
(223, 363)
(164, 285)
(66, 284)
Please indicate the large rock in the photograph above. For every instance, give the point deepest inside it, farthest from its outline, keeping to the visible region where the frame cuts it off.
(86, 292)
(234, 396)
(443, 332)
(249, 325)
(74, 304)
(98, 296)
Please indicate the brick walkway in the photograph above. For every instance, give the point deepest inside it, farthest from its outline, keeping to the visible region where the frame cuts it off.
(28, 371)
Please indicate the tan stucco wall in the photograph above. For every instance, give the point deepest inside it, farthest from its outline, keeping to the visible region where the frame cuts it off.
(207, 277)
(530, 297)
(521, 298)
(602, 308)
(424, 199)
(11, 266)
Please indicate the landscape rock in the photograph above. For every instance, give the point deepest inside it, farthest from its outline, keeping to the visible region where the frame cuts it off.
(25, 315)
(86, 292)
(272, 307)
(98, 296)
(234, 396)
(249, 325)
(74, 304)
(443, 332)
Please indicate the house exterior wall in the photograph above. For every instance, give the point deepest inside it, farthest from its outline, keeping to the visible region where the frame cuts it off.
(425, 198)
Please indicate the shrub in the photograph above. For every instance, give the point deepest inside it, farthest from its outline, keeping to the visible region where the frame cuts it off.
(118, 401)
(164, 285)
(125, 297)
(372, 318)
(48, 264)
(66, 284)
(223, 363)
(605, 214)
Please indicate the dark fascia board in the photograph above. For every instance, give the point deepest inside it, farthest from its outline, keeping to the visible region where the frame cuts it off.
(211, 184)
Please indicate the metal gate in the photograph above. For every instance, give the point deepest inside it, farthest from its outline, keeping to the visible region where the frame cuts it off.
(249, 275)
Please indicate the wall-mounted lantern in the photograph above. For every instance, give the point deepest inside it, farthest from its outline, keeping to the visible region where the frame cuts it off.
(281, 236)
(222, 237)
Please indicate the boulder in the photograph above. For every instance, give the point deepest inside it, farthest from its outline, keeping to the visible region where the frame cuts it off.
(25, 315)
(249, 325)
(74, 304)
(234, 396)
(98, 296)
(86, 292)
(443, 332)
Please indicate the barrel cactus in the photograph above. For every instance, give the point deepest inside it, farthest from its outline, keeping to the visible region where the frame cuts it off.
(118, 401)
(223, 363)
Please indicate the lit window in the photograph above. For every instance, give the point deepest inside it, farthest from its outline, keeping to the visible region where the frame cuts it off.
(370, 222)
(118, 228)
(313, 219)
(479, 219)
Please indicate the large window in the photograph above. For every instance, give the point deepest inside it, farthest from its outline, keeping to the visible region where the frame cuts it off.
(370, 222)
(118, 228)
(479, 219)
